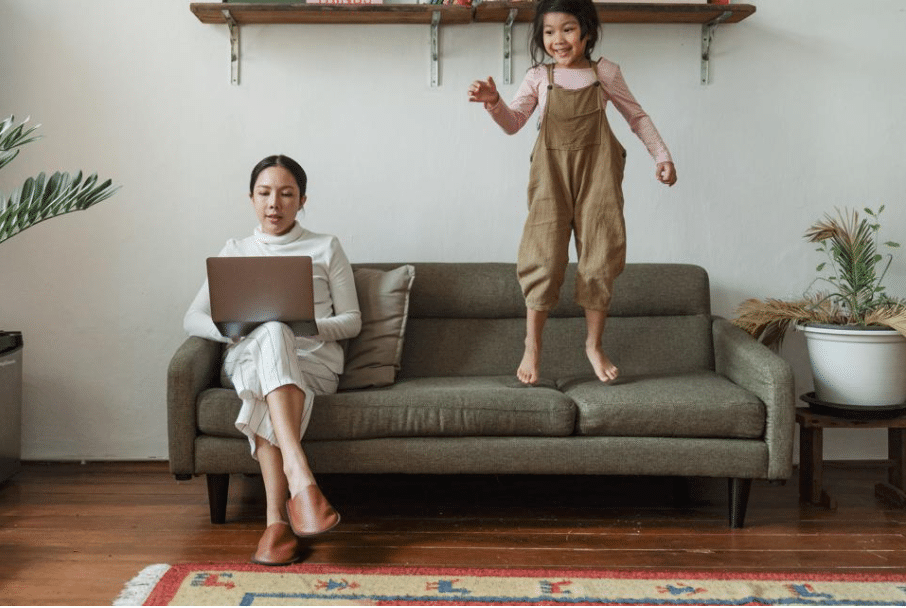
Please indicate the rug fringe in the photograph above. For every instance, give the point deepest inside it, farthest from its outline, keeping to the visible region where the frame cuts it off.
(140, 587)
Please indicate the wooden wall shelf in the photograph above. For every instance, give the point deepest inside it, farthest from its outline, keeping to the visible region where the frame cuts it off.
(620, 12)
(236, 14)
(485, 12)
(249, 14)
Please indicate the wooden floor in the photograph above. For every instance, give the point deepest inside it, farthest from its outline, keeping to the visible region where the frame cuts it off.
(75, 534)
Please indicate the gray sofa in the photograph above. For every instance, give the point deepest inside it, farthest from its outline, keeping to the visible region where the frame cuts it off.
(697, 397)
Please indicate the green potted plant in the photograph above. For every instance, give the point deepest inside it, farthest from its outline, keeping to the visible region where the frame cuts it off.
(855, 331)
(39, 198)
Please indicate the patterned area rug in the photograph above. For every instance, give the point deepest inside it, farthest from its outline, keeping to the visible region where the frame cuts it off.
(322, 585)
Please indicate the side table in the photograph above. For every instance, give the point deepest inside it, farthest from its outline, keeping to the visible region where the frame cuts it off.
(812, 423)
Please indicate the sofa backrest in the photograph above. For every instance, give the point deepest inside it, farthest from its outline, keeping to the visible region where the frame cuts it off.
(469, 319)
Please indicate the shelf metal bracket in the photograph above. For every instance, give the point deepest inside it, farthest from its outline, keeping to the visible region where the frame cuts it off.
(234, 46)
(508, 47)
(707, 39)
(435, 49)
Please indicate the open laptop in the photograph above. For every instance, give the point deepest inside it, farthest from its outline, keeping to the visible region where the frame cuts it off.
(248, 291)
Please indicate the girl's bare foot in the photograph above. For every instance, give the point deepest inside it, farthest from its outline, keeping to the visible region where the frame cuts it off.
(604, 368)
(534, 328)
(528, 368)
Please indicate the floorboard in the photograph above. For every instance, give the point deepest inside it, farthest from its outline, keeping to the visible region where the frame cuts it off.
(74, 534)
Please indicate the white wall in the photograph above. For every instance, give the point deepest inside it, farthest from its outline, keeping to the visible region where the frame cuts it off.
(805, 113)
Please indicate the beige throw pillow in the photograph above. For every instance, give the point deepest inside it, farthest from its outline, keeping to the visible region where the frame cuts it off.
(373, 357)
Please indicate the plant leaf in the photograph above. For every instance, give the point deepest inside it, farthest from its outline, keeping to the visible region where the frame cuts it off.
(40, 198)
(14, 137)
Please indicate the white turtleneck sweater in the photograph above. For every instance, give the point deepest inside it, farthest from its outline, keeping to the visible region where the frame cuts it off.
(336, 304)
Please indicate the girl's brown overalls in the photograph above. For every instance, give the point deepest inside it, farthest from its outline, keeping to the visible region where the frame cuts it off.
(575, 184)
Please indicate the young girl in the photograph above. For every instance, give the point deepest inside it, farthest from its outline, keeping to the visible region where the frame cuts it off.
(576, 173)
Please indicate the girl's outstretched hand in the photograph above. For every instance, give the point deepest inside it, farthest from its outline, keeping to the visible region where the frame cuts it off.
(484, 91)
(666, 173)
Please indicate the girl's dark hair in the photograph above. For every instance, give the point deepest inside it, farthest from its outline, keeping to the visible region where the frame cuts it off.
(583, 10)
(278, 160)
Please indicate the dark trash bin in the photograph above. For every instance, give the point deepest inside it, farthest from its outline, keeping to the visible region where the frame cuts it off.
(10, 403)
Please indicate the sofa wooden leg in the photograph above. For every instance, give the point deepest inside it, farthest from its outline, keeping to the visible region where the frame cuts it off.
(739, 500)
(218, 490)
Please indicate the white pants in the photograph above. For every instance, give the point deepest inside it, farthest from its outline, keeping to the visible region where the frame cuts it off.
(264, 361)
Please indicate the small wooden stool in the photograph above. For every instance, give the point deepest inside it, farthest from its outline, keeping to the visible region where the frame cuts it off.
(812, 422)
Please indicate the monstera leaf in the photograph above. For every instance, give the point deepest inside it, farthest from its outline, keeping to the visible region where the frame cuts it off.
(41, 198)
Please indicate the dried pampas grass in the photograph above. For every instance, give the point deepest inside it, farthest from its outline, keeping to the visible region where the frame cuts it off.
(768, 320)
(893, 316)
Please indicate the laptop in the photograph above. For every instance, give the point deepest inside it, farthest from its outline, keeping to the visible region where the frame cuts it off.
(249, 291)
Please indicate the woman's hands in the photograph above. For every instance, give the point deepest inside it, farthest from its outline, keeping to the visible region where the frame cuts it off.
(484, 91)
(666, 173)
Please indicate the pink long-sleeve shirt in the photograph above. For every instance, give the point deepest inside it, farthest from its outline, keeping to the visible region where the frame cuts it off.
(532, 93)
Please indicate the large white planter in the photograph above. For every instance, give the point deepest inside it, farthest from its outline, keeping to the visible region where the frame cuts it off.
(857, 367)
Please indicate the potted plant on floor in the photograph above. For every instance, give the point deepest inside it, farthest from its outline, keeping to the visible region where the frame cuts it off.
(855, 331)
(38, 199)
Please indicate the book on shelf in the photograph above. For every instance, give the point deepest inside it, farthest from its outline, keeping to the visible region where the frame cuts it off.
(665, 2)
(345, 2)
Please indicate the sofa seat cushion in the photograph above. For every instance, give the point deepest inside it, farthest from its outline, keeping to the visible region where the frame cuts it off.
(418, 407)
(694, 404)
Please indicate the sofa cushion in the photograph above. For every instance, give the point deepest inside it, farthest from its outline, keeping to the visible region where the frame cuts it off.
(373, 357)
(696, 404)
(420, 407)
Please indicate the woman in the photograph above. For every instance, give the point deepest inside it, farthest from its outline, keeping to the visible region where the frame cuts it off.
(277, 374)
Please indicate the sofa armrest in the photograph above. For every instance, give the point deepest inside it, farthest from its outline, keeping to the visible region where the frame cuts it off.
(755, 367)
(194, 367)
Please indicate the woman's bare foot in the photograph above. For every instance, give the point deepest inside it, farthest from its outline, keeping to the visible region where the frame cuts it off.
(528, 368)
(604, 368)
